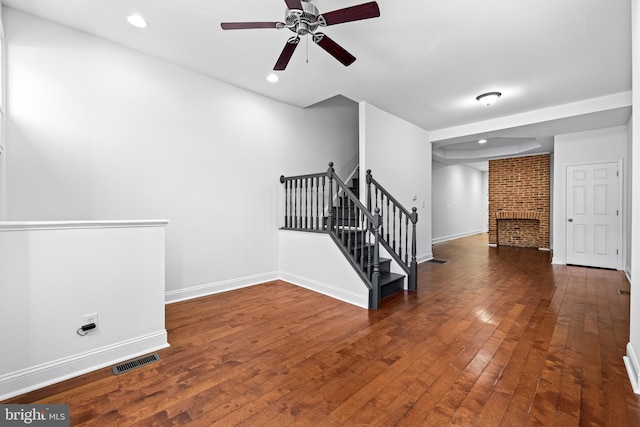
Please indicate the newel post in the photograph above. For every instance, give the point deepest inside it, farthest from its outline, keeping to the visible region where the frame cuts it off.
(375, 278)
(369, 177)
(413, 269)
(330, 173)
(282, 181)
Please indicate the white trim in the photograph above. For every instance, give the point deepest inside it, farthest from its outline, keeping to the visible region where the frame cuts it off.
(423, 258)
(328, 290)
(631, 363)
(215, 288)
(456, 236)
(66, 225)
(35, 377)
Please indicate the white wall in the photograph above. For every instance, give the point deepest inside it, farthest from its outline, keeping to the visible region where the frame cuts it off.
(599, 146)
(3, 73)
(53, 274)
(399, 156)
(628, 200)
(459, 201)
(98, 131)
(633, 347)
(331, 275)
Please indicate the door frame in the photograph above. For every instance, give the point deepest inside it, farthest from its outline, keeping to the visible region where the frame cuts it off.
(621, 208)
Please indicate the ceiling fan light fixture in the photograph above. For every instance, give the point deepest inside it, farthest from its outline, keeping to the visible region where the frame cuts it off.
(304, 19)
(137, 21)
(488, 98)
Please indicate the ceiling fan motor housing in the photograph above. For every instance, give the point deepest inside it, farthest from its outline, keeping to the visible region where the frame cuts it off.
(302, 22)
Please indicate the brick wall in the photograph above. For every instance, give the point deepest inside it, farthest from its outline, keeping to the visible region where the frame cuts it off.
(519, 189)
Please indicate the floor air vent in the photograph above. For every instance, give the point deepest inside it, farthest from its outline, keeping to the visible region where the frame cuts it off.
(438, 261)
(135, 363)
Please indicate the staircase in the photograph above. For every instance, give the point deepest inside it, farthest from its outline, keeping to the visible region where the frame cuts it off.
(321, 202)
(346, 222)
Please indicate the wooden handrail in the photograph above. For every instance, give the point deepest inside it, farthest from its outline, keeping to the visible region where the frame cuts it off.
(376, 184)
(395, 227)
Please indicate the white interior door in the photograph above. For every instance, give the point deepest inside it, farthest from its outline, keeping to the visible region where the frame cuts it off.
(593, 215)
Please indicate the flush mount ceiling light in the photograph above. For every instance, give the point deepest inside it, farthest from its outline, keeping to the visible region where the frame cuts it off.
(273, 78)
(488, 98)
(137, 21)
(482, 141)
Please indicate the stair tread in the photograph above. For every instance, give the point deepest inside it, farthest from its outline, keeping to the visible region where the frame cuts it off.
(390, 277)
(382, 261)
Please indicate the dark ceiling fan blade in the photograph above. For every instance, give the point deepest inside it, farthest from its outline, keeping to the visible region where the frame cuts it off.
(247, 25)
(293, 4)
(286, 54)
(353, 13)
(334, 49)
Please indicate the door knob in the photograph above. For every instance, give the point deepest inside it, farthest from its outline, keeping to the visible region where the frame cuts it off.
(570, 219)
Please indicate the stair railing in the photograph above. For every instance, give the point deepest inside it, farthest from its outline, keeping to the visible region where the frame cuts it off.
(306, 201)
(309, 206)
(395, 229)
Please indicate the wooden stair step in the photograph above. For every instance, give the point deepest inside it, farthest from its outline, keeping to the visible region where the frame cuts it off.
(390, 283)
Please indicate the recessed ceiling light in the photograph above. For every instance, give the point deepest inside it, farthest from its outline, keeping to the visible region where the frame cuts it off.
(488, 98)
(482, 141)
(137, 21)
(273, 78)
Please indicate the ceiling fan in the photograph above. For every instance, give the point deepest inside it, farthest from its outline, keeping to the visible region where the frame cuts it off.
(303, 19)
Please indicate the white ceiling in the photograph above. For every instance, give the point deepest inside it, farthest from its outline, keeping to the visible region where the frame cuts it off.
(422, 60)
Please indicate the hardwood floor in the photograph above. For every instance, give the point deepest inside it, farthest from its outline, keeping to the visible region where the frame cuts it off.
(494, 337)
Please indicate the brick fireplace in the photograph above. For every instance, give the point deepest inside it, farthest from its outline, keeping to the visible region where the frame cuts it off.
(519, 201)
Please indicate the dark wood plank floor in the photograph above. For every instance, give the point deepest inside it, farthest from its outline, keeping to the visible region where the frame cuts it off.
(494, 337)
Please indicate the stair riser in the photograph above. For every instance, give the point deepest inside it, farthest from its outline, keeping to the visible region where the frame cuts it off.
(391, 288)
(385, 267)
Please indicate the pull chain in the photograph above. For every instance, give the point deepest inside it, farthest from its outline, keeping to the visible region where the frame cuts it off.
(307, 48)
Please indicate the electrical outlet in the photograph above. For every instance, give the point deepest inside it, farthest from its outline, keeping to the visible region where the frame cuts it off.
(90, 318)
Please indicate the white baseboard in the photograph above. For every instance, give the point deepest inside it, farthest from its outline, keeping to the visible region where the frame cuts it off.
(218, 287)
(35, 377)
(456, 236)
(243, 282)
(424, 257)
(633, 368)
(360, 300)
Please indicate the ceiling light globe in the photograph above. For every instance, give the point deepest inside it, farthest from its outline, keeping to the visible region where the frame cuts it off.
(488, 98)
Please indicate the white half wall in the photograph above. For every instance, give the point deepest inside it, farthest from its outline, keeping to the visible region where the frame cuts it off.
(399, 156)
(98, 131)
(52, 274)
(599, 146)
(459, 201)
